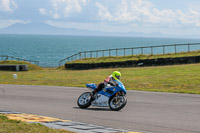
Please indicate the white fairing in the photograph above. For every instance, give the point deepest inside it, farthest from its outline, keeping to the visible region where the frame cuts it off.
(101, 101)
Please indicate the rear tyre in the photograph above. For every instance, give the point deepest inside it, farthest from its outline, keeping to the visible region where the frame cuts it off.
(117, 102)
(84, 101)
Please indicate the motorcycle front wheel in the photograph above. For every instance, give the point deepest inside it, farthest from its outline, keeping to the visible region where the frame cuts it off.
(84, 101)
(117, 102)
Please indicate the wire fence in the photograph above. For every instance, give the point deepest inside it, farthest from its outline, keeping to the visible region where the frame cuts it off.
(49, 65)
(149, 50)
(6, 57)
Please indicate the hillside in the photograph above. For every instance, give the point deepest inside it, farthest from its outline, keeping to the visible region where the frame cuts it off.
(42, 28)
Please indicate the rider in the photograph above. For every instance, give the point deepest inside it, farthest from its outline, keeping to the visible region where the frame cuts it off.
(109, 80)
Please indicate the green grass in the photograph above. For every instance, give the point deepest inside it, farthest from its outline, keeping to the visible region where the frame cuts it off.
(177, 78)
(13, 126)
(134, 57)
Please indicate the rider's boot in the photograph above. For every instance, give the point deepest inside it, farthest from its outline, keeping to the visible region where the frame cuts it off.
(94, 93)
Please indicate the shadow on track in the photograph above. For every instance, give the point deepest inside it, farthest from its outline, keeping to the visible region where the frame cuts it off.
(94, 109)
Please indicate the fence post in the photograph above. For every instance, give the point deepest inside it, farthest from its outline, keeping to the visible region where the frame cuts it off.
(124, 51)
(151, 50)
(109, 53)
(116, 53)
(84, 54)
(142, 50)
(163, 49)
(175, 48)
(103, 53)
(97, 54)
(188, 47)
(132, 51)
(79, 55)
(90, 54)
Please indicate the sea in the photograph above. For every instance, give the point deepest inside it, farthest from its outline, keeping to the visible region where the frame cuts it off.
(50, 49)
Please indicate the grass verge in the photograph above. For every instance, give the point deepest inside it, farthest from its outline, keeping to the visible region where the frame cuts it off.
(177, 78)
(13, 126)
(134, 57)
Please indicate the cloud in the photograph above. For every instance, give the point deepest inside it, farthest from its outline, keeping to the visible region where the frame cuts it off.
(122, 12)
(7, 5)
(7, 23)
(190, 18)
(64, 8)
(103, 12)
(42, 11)
(121, 16)
(143, 11)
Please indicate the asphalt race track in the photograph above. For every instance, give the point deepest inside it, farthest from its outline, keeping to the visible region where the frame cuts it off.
(152, 112)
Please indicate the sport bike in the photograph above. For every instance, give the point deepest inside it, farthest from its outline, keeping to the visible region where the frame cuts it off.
(110, 96)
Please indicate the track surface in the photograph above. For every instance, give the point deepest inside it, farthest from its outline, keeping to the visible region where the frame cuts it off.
(145, 111)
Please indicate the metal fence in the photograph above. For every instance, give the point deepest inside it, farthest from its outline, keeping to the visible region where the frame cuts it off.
(5, 57)
(149, 50)
(49, 65)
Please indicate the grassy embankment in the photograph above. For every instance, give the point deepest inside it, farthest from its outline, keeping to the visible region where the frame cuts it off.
(135, 57)
(30, 66)
(177, 78)
(13, 126)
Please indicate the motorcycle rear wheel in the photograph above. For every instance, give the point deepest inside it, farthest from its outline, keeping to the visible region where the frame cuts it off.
(85, 99)
(117, 102)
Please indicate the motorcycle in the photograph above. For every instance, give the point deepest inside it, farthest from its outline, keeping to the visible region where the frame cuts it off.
(110, 96)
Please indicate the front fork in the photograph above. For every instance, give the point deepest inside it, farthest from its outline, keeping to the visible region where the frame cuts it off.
(117, 99)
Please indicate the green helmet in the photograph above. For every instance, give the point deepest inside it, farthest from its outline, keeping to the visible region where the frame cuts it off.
(116, 75)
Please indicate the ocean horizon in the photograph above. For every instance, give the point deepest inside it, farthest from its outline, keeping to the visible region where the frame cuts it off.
(50, 49)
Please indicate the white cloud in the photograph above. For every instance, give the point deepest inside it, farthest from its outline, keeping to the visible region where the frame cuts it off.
(64, 8)
(121, 16)
(190, 18)
(104, 13)
(7, 23)
(143, 11)
(127, 10)
(7, 5)
(124, 11)
(42, 11)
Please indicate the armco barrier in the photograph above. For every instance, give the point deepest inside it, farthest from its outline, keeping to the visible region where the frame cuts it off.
(135, 63)
(14, 67)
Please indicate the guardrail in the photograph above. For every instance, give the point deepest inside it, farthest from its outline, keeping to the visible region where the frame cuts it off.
(161, 49)
(49, 65)
(6, 57)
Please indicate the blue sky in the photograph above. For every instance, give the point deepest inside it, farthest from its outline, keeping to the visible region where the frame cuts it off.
(174, 17)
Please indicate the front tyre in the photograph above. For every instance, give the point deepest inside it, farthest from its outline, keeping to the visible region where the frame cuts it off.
(117, 102)
(85, 100)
